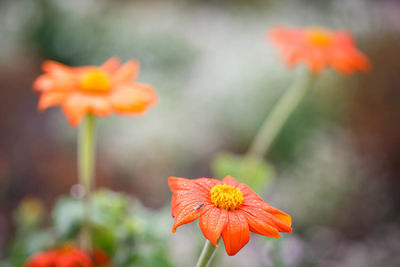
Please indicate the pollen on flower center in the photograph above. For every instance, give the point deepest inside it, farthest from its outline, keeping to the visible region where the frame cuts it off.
(319, 36)
(226, 197)
(95, 80)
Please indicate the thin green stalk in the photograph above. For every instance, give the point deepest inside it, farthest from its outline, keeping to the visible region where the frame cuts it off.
(279, 115)
(86, 163)
(207, 254)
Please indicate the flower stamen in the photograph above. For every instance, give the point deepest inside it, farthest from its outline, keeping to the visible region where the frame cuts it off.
(226, 197)
(317, 36)
(95, 80)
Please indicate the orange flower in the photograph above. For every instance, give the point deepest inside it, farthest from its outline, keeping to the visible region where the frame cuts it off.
(66, 256)
(319, 48)
(101, 258)
(225, 208)
(91, 89)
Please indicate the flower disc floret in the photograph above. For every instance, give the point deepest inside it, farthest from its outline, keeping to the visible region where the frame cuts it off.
(226, 197)
(318, 36)
(95, 80)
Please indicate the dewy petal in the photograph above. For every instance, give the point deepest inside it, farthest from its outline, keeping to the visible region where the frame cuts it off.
(190, 188)
(179, 183)
(212, 223)
(253, 204)
(259, 223)
(173, 204)
(133, 98)
(188, 213)
(236, 233)
(206, 184)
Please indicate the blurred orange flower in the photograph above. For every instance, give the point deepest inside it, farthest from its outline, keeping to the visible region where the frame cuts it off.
(319, 48)
(225, 208)
(101, 258)
(66, 256)
(99, 90)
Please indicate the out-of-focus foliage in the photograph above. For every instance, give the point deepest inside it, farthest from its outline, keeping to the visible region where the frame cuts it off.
(256, 174)
(125, 231)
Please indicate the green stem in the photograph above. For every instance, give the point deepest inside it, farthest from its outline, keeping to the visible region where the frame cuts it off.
(207, 254)
(86, 163)
(279, 115)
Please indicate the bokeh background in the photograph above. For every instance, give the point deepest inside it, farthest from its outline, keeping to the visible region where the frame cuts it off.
(337, 160)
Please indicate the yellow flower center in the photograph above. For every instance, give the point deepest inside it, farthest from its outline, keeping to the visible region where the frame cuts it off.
(319, 37)
(226, 197)
(95, 80)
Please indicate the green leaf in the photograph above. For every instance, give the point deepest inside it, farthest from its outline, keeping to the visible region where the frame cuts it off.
(67, 216)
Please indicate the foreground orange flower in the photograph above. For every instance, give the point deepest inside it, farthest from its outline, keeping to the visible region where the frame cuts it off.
(225, 208)
(66, 256)
(92, 89)
(319, 48)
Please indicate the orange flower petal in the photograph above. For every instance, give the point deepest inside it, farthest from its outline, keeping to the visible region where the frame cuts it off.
(51, 99)
(236, 233)
(47, 82)
(253, 204)
(55, 67)
(173, 205)
(229, 180)
(178, 183)
(111, 64)
(80, 104)
(126, 73)
(188, 213)
(206, 184)
(212, 223)
(133, 98)
(287, 219)
(260, 224)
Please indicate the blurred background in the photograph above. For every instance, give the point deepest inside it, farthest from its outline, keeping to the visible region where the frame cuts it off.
(336, 162)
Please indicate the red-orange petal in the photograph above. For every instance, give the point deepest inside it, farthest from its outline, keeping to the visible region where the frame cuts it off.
(287, 219)
(111, 65)
(133, 98)
(179, 183)
(126, 73)
(260, 224)
(229, 180)
(253, 204)
(212, 223)
(80, 104)
(236, 233)
(188, 213)
(51, 99)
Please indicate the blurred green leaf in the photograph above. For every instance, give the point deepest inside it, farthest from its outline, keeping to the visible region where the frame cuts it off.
(67, 216)
(256, 174)
(104, 238)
